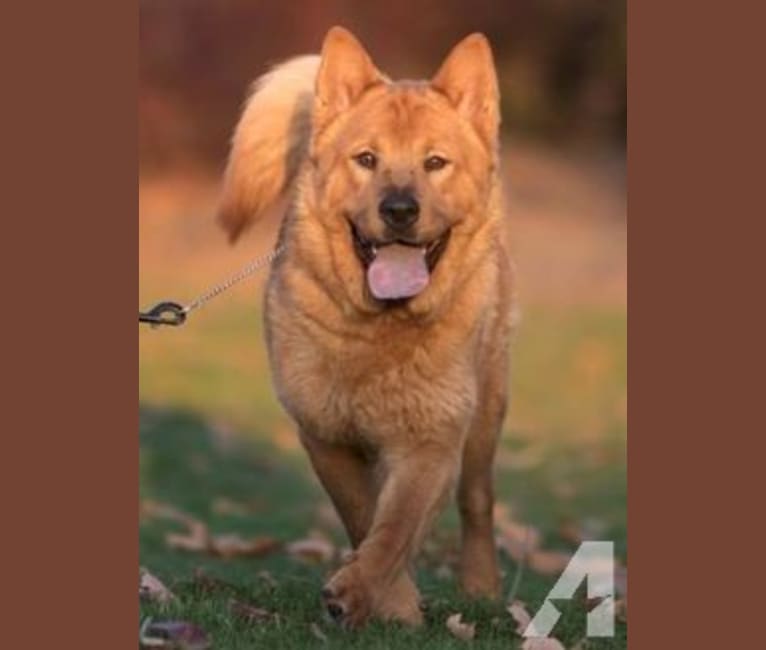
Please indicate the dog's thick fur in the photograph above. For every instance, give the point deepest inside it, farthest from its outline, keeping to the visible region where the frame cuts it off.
(396, 401)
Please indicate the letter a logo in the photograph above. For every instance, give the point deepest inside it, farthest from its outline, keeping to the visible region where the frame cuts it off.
(593, 561)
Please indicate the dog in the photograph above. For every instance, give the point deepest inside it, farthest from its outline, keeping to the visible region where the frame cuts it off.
(389, 310)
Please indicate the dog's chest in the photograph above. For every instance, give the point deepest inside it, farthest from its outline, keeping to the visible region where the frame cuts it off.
(370, 391)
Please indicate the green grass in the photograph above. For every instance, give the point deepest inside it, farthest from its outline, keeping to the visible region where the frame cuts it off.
(567, 420)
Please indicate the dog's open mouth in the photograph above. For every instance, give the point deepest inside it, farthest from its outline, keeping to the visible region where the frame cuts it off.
(398, 270)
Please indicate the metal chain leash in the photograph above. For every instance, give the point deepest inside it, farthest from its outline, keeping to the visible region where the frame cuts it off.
(171, 313)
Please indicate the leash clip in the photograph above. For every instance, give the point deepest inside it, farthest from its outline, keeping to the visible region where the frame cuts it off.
(164, 313)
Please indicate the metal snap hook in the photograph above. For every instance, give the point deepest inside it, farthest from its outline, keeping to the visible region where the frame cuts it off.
(164, 313)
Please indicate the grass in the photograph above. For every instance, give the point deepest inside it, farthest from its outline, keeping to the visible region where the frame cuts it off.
(210, 428)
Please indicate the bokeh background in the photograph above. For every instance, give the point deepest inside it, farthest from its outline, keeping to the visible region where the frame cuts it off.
(211, 427)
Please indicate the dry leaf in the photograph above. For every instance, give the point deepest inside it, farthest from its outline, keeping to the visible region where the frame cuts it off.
(464, 631)
(517, 539)
(159, 510)
(250, 613)
(317, 632)
(588, 530)
(443, 572)
(312, 550)
(538, 643)
(151, 588)
(232, 545)
(621, 610)
(172, 635)
(224, 506)
(564, 489)
(549, 562)
(268, 579)
(210, 584)
(518, 611)
(196, 538)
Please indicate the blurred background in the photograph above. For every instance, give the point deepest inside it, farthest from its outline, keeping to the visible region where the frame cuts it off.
(205, 388)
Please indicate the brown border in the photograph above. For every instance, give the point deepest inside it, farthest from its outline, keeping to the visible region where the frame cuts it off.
(69, 206)
(691, 181)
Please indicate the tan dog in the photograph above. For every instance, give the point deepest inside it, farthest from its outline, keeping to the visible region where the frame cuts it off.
(388, 314)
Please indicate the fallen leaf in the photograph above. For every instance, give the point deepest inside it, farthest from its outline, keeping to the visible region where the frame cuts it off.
(317, 632)
(151, 588)
(313, 550)
(564, 489)
(463, 631)
(443, 572)
(440, 548)
(549, 562)
(517, 539)
(159, 510)
(267, 578)
(518, 611)
(195, 539)
(538, 643)
(196, 536)
(621, 610)
(251, 613)
(232, 545)
(210, 584)
(590, 529)
(224, 506)
(172, 635)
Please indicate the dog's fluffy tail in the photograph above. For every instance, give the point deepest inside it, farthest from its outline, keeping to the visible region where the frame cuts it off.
(269, 144)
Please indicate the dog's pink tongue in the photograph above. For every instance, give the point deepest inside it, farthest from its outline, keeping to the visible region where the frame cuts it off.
(397, 271)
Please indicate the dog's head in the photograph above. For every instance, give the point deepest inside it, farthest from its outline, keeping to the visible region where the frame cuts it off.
(406, 167)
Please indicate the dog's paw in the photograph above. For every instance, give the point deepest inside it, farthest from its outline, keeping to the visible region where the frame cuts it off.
(481, 584)
(401, 602)
(347, 597)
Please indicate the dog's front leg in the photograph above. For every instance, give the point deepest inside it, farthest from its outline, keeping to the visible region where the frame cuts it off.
(416, 487)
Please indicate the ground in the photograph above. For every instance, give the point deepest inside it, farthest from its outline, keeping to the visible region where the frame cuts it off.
(215, 444)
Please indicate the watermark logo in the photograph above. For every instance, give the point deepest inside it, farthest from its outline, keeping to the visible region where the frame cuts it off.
(594, 562)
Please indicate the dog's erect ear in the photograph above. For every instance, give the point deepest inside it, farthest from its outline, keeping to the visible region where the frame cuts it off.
(468, 78)
(345, 72)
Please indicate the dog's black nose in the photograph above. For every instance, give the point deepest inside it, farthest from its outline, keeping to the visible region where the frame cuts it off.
(399, 209)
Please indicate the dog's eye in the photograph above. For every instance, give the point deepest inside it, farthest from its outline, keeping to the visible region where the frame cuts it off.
(434, 163)
(366, 159)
